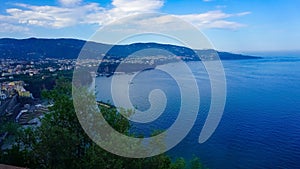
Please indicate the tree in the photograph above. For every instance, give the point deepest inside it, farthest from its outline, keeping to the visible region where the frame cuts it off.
(195, 164)
(178, 164)
(60, 141)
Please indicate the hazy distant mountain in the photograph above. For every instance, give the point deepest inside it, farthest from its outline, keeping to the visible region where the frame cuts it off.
(34, 48)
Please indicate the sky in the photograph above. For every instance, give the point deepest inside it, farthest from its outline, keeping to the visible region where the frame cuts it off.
(230, 25)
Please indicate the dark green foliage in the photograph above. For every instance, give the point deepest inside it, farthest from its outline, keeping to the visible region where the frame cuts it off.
(60, 142)
(195, 164)
(178, 164)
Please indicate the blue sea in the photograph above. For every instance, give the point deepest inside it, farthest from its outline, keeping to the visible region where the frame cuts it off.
(260, 126)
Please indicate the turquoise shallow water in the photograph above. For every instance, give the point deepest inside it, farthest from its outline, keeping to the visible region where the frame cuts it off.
(260, 127)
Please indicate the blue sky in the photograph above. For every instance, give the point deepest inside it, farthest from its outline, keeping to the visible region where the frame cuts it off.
(238, 26)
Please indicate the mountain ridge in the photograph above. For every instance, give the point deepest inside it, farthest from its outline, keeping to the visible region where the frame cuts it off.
(68, 48)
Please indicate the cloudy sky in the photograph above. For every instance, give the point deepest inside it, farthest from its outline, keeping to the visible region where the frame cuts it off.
(238, 26)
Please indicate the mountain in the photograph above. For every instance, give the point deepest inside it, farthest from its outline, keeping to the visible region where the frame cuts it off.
(34, 48)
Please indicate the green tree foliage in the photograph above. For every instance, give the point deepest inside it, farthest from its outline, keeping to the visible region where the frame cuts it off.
(195, 164)
(60, 142)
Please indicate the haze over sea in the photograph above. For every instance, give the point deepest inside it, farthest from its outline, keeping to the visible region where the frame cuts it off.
(260, 125)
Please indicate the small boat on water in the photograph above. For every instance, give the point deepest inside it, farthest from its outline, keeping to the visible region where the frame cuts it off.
(130, 82)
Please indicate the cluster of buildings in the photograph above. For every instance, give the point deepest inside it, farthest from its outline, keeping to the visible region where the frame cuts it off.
(11, 107)
(128, 60)
(10, 94)
(8, 89)
(30, 114)
(26, 115)
(23, 113)
(10, 67)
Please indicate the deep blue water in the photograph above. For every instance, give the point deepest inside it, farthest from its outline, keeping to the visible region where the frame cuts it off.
(260, 127)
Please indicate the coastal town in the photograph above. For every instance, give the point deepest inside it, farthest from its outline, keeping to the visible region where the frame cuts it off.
(19, 81)
(10, 68)
(22, 82)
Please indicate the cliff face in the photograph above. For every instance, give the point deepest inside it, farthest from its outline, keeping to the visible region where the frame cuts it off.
(9, 106)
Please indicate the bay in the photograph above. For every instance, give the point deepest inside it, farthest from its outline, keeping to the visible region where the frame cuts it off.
(260, 126)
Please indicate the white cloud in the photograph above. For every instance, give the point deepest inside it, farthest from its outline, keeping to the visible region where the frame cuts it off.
(69, 2)
(124, 8)
(51, 16)
(10, 28)
(75, 12)
(137, 5)
(242, 13)
(214, 19)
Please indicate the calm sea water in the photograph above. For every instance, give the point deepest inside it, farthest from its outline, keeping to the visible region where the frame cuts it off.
(260, 127)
